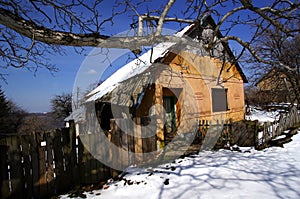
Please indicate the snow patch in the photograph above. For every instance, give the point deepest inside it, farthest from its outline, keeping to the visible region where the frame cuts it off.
(271, 173)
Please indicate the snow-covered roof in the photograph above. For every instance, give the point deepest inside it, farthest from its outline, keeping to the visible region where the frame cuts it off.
(135, 67)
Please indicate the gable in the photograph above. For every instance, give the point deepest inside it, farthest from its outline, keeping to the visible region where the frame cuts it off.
(161, 53)
(221, 53)
(204, 67)
(186, 57)
(272, 80)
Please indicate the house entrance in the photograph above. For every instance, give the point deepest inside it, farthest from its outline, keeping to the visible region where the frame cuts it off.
(170, 115)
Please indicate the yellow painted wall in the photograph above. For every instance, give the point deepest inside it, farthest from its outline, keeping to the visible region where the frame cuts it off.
(201, 73)
(197, 76)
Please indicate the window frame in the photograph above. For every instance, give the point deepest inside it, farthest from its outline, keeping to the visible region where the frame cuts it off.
(216, 95)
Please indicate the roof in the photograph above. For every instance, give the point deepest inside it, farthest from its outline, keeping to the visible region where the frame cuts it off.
(142, 63)
(134, 67)
(76, 115)
(272, 73)
(128, 92)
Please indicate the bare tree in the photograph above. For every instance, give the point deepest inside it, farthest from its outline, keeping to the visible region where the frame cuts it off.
(31, 29)
(61, 106)
(282, 81)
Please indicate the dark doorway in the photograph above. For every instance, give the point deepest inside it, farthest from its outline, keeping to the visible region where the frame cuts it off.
(170, 113)
(170, 116)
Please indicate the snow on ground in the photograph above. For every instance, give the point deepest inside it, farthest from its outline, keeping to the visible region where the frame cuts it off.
(263, 115)
(271, 173)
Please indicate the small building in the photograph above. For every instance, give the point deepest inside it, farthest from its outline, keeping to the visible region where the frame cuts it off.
(175, 85)
(273, 88)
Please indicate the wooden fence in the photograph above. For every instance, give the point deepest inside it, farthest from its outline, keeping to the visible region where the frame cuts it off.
(41, 165)
(247, 133)
(271, 130)
(128, 135)
(220, 137)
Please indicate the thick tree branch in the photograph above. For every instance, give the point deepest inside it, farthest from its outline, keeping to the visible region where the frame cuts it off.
(47, 25)
(143, 18)
(174, 19)
(162, 17)
(49, 36)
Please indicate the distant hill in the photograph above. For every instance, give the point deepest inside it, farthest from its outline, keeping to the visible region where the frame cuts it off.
(39, 122)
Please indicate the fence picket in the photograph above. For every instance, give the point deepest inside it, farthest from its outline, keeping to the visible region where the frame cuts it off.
(50, 163)
(4, 181)
(276, 128)
(60, 179)
(27, 165)
(16, 167)
(41, 144)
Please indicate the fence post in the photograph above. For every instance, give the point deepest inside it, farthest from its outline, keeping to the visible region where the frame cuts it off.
(138, 140)
(62, 181)
(4, 184)
(26, 153)
(264, 140)
(255, 135)
(41, 144)
(16, 168)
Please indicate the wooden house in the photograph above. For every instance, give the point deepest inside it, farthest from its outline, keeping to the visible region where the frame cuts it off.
(273, 88)
(176, 84)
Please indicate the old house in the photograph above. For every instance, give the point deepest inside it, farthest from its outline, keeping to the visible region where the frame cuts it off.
(175, 85)
(274, 88)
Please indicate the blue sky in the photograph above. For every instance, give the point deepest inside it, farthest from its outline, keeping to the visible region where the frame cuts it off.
(34, 92)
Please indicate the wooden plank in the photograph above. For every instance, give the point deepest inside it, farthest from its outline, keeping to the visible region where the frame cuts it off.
(74, 167)
(4, 182)
(41, 145)
(124, 125)
(149, 147)
(61, 177)
(81, 158)
(26, 143)
(84, 160)
(102, 170)
(16, 168)
(34, 153)
(138, 140)
(114, 150)
(68, 155)
(51, 189)
(93, 165)
(118, 155)
(89, 161)
(131, 147)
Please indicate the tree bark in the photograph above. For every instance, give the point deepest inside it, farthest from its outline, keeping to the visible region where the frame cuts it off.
(40, 33)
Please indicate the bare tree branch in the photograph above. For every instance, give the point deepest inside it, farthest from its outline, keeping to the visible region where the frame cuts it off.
(33, 29)
(162, 18)
(254, 52)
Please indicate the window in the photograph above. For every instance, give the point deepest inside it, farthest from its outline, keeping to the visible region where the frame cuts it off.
(219, 99)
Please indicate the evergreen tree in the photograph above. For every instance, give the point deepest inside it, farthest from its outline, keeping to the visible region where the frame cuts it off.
(5, 127)
(10, 116)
